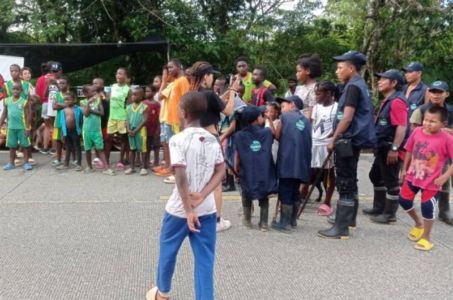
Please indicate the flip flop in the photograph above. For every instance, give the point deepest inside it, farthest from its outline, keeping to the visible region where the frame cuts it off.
(324, 210)
(415, 234)
(152, 294)
(424, 245)
(119, 167)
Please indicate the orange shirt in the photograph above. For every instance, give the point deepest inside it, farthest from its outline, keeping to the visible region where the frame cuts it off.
(180, 87)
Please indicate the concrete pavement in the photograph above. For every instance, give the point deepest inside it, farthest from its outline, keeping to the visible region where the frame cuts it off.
(68, 235)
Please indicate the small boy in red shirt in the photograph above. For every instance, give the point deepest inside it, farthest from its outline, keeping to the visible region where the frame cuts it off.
(152, 126)
(428, 149)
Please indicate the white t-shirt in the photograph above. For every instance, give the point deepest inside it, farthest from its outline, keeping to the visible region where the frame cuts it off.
(306, 93)
(323, 118)
(275, 143)
(199, 152)
(53, 90)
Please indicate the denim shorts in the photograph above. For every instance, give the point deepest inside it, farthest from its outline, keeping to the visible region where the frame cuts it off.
(166, 132)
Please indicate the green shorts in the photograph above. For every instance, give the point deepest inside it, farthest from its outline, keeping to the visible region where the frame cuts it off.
(16, 137)
(138, 142)
(57, 134)
(93, 139)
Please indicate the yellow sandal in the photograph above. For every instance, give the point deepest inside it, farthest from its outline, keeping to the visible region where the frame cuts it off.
(424, 245)
(415, 234)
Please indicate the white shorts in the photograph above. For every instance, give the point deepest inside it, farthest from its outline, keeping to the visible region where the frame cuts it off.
(44, 111)
(318, 156)
(50, 111)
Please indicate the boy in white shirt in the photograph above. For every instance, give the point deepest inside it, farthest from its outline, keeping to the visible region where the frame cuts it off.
(198, 163)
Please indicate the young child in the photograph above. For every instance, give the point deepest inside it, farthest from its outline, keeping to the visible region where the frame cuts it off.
(322, 118)
(92, 135)
(119, 97)
(71, 121)
(152, 126)
(58, 105)
(16, 109)
(293, 159)
(255, 165)
(98, 84)
(191, 210)
(272, 114)
(428, 149)
(15, 74)
(137, 116)
(308, 68)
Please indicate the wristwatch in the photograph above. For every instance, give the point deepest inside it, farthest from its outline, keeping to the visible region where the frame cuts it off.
(394, 147)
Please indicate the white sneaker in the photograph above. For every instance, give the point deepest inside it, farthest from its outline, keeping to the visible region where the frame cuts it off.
(223, 225)
(170, 179)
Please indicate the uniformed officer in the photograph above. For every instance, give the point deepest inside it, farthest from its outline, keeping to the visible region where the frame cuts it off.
(415, 90)
(354, 130)
(391, 132)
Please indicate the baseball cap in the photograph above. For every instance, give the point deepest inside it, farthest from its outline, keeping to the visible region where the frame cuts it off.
(392, 74)
(251, 113)
(295, 99)
(414, 66)
(439, 86)
(356, 57)
(55, 66)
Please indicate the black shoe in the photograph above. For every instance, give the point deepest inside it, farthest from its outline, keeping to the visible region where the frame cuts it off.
(344, 213)
(378, 203)
(445, 214)
(285, 219)
(389, 214)
(228, 188)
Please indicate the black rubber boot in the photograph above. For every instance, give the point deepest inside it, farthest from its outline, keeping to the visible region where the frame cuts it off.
(264, 215)
(353, 224)
(285, 219)
(247, 217)
(229, 184)
(378, 203)
(389, 215)
(445, 215)
(247, 209)
(340, 230)
(296, 208)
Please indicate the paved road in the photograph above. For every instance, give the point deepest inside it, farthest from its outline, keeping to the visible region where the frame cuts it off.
(67, 235)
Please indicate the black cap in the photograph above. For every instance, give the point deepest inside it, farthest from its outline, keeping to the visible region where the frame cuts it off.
(414, 66)
(439, 86)
(251, 113)
(295, 99)
(55, 66)
(392, 74)
(356, 57)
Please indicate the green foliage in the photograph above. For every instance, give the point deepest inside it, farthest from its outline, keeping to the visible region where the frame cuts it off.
(392, 33)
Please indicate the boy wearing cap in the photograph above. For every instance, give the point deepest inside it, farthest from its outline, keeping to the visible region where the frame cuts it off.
(293, 159)
(391, 129)
(255, 166)
(438, 92)
(353, 130)
(415, 90)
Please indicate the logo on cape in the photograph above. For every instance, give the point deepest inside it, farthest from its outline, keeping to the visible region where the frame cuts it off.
(255, 146)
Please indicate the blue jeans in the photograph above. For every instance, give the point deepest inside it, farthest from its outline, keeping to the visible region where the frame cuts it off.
(173, 232)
